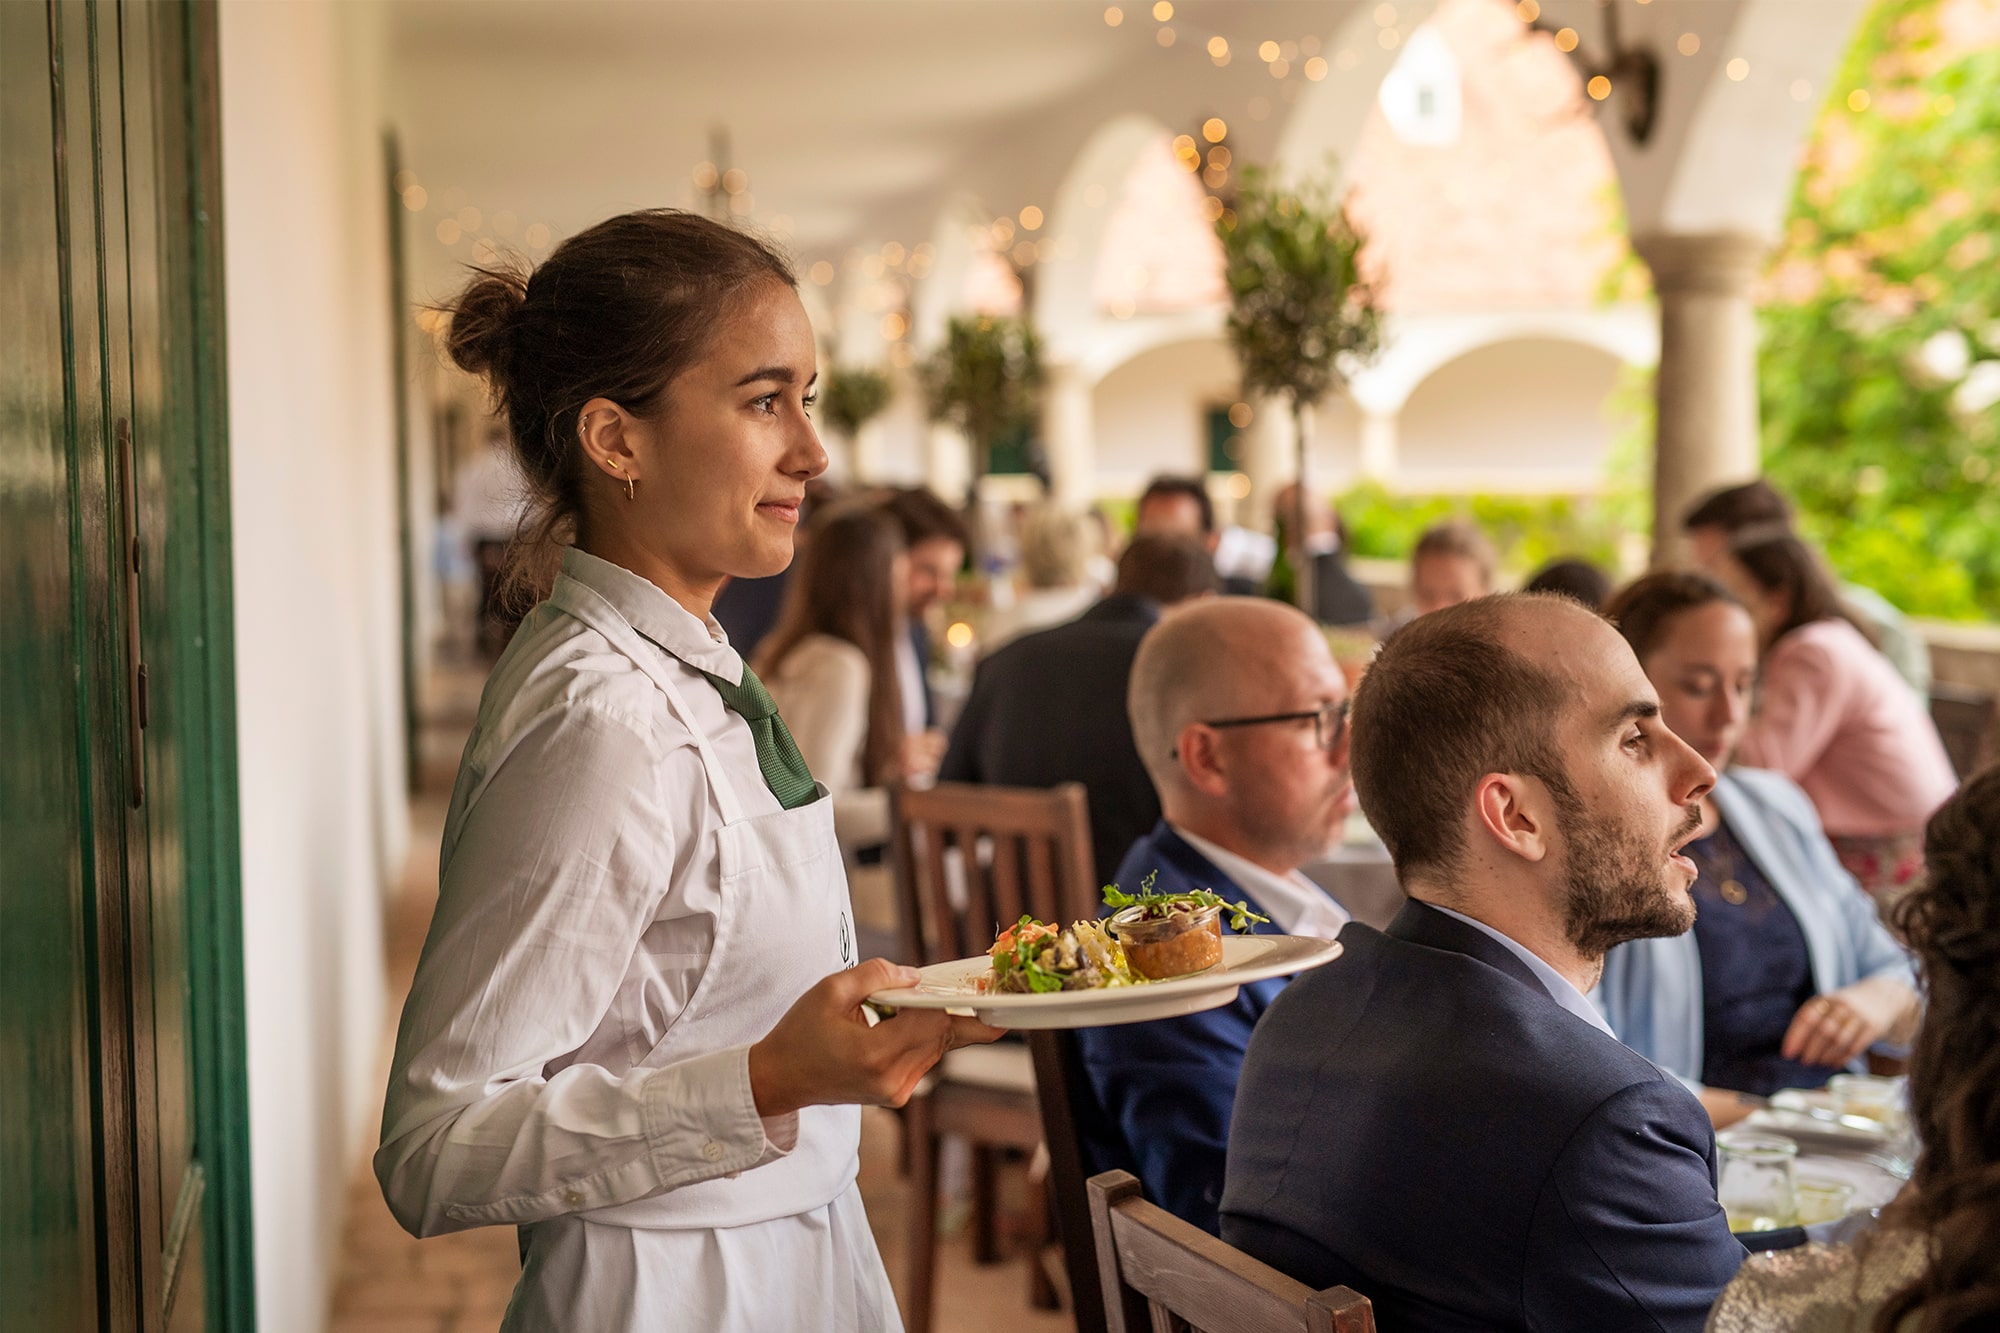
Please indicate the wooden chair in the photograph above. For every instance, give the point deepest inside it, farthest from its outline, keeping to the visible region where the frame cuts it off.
(1162, 1274)
(1964, 719)
(968, 860)
(1059, 1081)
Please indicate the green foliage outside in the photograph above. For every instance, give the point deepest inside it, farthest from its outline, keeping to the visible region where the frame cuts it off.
(985, 379)
(1612, 528)
(1528, 530)
(1301, 316)
(1894, 243)
(853, 396)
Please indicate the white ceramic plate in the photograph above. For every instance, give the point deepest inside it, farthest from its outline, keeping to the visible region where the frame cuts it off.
(955, 986)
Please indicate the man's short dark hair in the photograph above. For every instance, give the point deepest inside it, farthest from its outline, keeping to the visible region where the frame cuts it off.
(1573, 578)
(1734, 508)
(1165, 569)
(1166, 487)
(924, 517)
(1445, 703)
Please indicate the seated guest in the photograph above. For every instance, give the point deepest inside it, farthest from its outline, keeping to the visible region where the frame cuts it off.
(1173, 506)
(1078, 673)
(1055, 554)
(1712, 525)
(936, 539)
(1452, 563)
(1835, 716)
(1788, 976)
(1576, 579)
(1239, 712)
(1930, 1265)
(1439, 1118)
(830, 663)
(1338, 598)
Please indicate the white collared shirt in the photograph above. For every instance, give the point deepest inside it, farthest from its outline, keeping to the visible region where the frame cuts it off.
(910, 681)
(1296, 904)
(578, 897)
(1554, 982)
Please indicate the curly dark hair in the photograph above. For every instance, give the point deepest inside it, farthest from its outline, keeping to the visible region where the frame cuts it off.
(1953, 924)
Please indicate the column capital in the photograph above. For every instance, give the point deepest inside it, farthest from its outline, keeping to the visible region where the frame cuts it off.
(1717, 263)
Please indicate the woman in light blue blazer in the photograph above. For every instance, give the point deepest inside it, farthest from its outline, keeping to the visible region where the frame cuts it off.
(1788, 977)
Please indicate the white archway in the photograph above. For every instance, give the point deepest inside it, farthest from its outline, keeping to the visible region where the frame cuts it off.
(1526, 414)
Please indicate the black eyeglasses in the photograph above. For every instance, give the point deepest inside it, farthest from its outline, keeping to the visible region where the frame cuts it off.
(1329, 724)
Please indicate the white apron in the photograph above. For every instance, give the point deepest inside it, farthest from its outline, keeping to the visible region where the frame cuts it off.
(785, 1244)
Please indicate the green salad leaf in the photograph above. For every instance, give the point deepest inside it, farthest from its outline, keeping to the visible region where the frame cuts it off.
(1021, 958)
(1162, 904)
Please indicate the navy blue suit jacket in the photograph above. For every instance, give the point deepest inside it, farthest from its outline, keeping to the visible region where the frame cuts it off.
(1420, 1120)
(1160, 1093)
(1050, 707)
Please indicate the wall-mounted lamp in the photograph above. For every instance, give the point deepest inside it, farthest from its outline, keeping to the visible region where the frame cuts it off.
(1631, 72)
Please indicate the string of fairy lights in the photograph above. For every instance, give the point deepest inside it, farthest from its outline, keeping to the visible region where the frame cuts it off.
(1018, 238)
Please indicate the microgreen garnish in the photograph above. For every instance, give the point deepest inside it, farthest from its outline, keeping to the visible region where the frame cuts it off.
(1165, 904)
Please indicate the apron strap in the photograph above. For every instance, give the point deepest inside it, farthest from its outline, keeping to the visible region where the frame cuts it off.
(586, 604)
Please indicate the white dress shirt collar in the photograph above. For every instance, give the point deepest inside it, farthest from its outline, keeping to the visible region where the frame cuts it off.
(1297, 905)
(699, 642)
(1554, 982)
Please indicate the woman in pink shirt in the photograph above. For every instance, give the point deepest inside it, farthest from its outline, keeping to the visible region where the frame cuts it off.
(1835, 717)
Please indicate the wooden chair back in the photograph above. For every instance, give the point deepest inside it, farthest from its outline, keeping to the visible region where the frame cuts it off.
(1017, 849)
(1059, 1079)
(1162, 1274)
(1964, 720)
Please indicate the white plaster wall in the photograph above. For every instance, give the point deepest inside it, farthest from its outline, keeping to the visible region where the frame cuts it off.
(1528, 415)
(1149, 413)
(313, 508)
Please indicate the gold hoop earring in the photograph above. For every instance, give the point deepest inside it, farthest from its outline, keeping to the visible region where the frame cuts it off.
(629, 482)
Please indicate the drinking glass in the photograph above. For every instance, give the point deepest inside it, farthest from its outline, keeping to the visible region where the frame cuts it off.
(1823, 1200)
(1870, 1098)
(1758, 1192)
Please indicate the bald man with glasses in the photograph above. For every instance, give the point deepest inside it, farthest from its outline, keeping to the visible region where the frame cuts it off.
(1240, 717)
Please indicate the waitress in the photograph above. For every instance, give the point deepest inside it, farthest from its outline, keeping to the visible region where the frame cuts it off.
(636, 1031)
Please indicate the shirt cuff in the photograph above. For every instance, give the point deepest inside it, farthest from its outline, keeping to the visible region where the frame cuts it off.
(701, 1120)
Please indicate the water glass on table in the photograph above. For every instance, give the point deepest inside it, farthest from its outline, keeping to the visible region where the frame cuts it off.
(1868, 1097)
(1757, 1189)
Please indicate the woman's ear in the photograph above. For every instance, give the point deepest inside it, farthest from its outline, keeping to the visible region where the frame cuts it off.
(1515, 813)
(604, 428)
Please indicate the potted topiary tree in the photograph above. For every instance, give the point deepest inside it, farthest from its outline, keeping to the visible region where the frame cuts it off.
(985, 379)
(1302, 316)
(853, 397)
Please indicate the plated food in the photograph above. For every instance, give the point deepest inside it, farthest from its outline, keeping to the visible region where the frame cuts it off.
(1149, 937)
(1158, 955)
(1033, 958)
(965, 986)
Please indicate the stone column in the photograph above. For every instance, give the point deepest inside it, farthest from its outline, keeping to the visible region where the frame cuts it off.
(1069, 435)
(1706, 388)
(947, 461)
(1266, 458)
(1378, 447)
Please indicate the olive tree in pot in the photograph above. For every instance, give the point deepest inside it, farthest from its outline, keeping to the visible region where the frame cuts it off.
(852, 397)
(1303, 317)
(985, 379)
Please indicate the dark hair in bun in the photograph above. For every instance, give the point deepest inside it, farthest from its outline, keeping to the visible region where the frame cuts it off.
(618, 312)
(483, 319)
